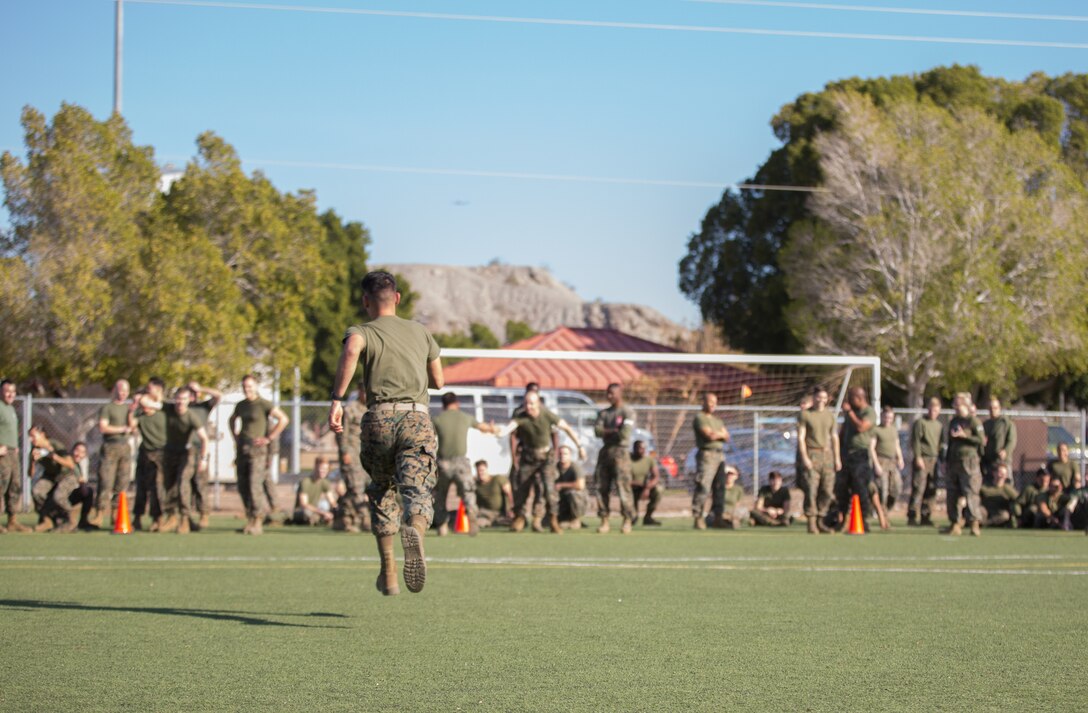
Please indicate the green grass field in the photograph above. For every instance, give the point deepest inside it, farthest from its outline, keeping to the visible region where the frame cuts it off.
(662, 620)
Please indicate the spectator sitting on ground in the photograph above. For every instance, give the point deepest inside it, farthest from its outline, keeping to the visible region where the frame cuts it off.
(1000, 506)
(1053, 511)
(1029, 497)
(772, 506)
(571, 486)
(645, 482)
(83, 495)
(726, 511)
(51, 493)
(494, 498)
(315, 498)
(1078, 504)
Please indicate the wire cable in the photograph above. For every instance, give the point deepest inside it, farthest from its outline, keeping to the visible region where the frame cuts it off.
(898, 10)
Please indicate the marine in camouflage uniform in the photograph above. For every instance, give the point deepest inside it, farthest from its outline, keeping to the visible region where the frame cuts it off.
(11, 478)
(614, 426)
(253, 439)
(859, 418)
(398, 444)
(888, 456)
(1000, 507)
(181, 425)
(571, 486)
(1000, 431)
(352, 513)
(194, 481)
(452, 427)
(115, 456)
(59, 479)
(150, 423)
(645, 480)
(925, 448)
(1062, 468)
(710, 435)
(818, 452)
(965, 437)
(729, 493)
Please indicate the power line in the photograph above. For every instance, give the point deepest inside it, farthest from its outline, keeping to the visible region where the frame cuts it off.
(898, 10)
(621, 25)
(522, 175)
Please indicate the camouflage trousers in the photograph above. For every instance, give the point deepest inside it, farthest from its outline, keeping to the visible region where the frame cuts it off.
(149, 484)
(572, 505)
(535, 471)
(614, 467)
(174, 466)
(707, 464)
(194, 485)
(52, 499)
(456, 472)
(819, 485)
(652, 500)
(964, 481)
(251, 464)
(923, 489)
(114, 474)
(351, 506)
(11, 483)
(398, 451)
(889, 483)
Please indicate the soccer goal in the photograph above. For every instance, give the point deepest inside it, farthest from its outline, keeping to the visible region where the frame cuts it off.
(758, 395)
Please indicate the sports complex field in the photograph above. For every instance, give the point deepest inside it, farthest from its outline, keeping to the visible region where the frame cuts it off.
(666, 620)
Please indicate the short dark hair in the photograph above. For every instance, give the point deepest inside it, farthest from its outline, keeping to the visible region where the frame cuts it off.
(319, 460)
(614, 385)
(480, 462)
(774, 474)
(248, 376)
(5, 382)
(1042, 471)
(448, 399)
(532, 386)
(156, 381)
(378, 282)
(77, 444)
(637, 443)
(819, 389)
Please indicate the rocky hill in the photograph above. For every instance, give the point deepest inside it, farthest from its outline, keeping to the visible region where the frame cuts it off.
(451, 298)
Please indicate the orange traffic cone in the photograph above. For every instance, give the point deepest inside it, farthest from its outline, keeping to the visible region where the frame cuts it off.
(857, 525)
(121, 523)
(460, 525)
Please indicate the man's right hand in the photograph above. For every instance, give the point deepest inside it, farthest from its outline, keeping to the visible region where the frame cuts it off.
(3, 451)
(807, 462)
(336, 417)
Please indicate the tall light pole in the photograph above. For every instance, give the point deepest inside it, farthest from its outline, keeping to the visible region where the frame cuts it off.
(118, 42)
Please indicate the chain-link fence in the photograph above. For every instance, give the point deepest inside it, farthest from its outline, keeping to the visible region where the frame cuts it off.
(763, 437)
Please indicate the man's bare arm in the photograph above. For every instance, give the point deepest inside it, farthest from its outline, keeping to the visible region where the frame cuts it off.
(345, 370)
(565, 427)
(434, 373)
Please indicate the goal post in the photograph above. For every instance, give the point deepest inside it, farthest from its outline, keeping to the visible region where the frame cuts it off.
(758, 396)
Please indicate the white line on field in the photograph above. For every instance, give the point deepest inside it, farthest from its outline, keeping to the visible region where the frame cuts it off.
(564, 561)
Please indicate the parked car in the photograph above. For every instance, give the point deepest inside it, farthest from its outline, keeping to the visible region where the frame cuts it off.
(777, 451)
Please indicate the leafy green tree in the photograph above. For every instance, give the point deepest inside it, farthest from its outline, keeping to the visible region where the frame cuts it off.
(516, 330)
(732, 269)
(949, 245)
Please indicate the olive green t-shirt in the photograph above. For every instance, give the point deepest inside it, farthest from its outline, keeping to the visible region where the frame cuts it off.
(886, 439)
(51, 469)
(254, 416)
(201, 411)
(313, 488)
(853, 439)
(925, 438)
(452, 426)
(489, 495)
(179, 427)
(1062, 471)
(114, 415)
(640, 469)
(733, 496)
(774, 498)
(1000, 436)
(395, 359)
(995, 498)
(610, 417)
(9, 426)
(152, 430)
(571, 474)
(706, 420)
(818, 428)
(964, 445)
(536, 433)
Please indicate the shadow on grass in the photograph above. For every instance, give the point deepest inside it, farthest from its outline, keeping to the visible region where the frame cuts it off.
(248, 618)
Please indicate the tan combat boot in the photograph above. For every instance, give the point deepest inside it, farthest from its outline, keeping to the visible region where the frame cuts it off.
(415, 563)
(538, 523)
(387, 577)
(976, 528)
(15, 526)
(625, 529)
(94, 517)
(443, 530)
(553, 524)
(813, 528)
(604, 528)
(45, 525)
(203, 521)
(170, 524)
(518, 524)
(700, 522)
(66, 526)
(954, 529)
(184, 526)
(156, 524)
(257, 526)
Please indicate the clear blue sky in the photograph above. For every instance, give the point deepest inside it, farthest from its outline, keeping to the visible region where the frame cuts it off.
(362, 90)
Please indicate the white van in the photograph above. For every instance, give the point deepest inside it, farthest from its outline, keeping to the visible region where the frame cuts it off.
(496, 404)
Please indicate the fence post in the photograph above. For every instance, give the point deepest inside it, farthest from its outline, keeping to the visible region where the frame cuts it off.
(296, 424)
(755, 454)
(24, 452)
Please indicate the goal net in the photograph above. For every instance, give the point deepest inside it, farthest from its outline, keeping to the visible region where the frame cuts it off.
(758, 398)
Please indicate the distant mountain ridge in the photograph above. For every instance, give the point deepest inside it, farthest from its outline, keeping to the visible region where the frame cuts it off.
(453, 297)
